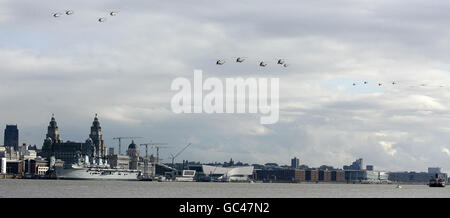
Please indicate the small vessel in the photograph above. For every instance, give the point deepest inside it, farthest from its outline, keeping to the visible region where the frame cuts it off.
(437, 181)
(186, 176)
(398, 186)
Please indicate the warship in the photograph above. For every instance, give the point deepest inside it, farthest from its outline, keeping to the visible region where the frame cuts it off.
(95, 170)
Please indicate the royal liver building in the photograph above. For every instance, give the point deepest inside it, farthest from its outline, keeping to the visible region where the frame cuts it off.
(69, 151)
(97, 140)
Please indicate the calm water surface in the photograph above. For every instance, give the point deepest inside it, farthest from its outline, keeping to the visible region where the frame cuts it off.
(15, 188)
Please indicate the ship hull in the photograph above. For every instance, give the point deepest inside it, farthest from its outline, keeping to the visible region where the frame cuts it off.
(442, 185)
(96, 174)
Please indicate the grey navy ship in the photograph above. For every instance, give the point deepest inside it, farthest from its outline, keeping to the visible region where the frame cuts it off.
(87, 170)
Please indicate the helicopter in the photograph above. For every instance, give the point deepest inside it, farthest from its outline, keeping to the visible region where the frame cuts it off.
(70, 12)
(240, 59)
(281, 61)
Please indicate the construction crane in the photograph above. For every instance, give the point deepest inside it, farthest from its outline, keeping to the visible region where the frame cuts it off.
(124, 137)
(156, 145)
(175, 156)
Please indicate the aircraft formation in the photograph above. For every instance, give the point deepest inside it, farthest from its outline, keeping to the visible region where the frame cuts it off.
(70, 12)
(397, 83)
(281, 62)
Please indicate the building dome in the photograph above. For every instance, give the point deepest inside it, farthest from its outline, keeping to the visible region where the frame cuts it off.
(132, 145)
(96, 123)
(53, 123)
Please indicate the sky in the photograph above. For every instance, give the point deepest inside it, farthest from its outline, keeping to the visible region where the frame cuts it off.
(122, 69)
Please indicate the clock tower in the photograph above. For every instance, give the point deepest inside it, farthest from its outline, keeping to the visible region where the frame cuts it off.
(96, 136)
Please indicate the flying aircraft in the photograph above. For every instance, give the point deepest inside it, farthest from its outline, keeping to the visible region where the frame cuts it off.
(240, 59)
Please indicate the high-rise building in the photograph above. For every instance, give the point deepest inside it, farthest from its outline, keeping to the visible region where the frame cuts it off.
(356, 165)
(295, 162)
(11, 138)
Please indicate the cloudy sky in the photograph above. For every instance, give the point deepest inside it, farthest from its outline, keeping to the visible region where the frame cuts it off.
(122, 69)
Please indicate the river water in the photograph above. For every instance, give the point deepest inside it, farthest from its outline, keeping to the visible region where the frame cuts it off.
(17, 188)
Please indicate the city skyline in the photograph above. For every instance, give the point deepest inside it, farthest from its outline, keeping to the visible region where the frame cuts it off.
(356, 165)
(122, 69)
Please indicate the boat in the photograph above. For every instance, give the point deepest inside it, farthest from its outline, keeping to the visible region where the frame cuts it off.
(92, 171)
(437, 181)
(186, 176)
(398, 186)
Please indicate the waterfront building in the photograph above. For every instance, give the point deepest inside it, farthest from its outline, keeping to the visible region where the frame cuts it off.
(280, 175)
(97, 138)
(376, 176)
(300, 175)
(119, 161)
(133, 153)
(3, 165)
(414, 177)
(70, 152)
(11, 154)
(26, 153)
(11, 137)
(37, 167)
(355, 175)
(295, 163)
(2, 151)
(356, 165)
(14, 167)
(228, 174)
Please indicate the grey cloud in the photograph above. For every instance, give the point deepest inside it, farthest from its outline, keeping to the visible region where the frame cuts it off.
(122, 69)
